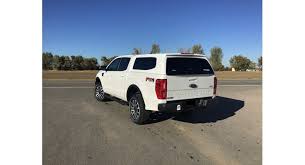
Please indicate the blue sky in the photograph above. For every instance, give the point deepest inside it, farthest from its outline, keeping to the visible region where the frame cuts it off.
(96, 28)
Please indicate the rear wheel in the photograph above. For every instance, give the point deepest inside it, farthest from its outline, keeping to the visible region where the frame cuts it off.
(99, 92)
(138, 114)
(205, 104)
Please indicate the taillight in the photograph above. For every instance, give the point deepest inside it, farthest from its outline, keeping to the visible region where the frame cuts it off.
(215, 85)
(161, 88)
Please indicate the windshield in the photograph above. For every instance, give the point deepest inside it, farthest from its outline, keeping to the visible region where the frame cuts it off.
(185, 66)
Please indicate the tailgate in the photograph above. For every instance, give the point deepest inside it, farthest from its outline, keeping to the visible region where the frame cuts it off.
(189, 77)
(189, 87)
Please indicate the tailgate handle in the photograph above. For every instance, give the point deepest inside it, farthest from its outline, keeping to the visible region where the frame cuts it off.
(193, 86)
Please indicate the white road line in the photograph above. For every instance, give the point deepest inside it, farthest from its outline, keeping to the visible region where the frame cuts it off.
(84, 87)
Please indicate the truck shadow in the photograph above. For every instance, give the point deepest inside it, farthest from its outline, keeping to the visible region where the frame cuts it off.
(218, 109)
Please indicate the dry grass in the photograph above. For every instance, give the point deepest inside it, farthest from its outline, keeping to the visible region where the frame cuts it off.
(228, 75)
(74, 75)
(90, 75)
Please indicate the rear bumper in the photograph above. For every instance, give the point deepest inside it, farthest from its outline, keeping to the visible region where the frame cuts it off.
(181, 105)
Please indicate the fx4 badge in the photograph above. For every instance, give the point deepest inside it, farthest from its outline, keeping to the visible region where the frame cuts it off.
(149, 79)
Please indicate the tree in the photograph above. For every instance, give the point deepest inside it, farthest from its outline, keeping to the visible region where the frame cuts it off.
(197, 49)
(73, 63)
(260, 63)
(155, 49)
(216, 58)
(252, 65)
(111, 58)
(61, 62)
(78, 61)
(89, 64)
(85, 64)
(67, 63)
(106, 61)
(47, 60)
(137, 51)
(93, 63)
(44, 61)
(56, 64)
(240, 63)
(226, 68)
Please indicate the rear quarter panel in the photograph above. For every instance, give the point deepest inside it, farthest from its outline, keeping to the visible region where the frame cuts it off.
(147, 86)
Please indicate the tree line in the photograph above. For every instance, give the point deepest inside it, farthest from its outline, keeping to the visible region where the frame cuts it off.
(56, 62)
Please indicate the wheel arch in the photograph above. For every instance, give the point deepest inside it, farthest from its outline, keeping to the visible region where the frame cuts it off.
(131, 90)
(97, 80)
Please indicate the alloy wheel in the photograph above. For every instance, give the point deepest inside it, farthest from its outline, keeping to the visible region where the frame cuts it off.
(134, 109)
(99, 92)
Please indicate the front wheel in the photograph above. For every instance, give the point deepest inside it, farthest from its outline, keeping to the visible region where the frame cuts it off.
(99, 92)
(138, 114)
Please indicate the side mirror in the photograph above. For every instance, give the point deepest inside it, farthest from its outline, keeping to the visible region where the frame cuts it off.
(103, 68)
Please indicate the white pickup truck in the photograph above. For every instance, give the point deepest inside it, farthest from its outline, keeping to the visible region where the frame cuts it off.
(157, 82)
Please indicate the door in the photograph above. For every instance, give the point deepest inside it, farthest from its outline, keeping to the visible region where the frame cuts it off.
(121, 77)
(110, 81)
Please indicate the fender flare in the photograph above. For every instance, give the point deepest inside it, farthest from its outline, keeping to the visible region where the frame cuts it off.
(131, 89)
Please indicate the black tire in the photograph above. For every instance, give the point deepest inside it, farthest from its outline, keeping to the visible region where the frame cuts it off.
(99, 92)
(205, 106)
(138, 114)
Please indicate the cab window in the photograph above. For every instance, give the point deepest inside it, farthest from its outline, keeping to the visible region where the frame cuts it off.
(123, 64)
(114, 65)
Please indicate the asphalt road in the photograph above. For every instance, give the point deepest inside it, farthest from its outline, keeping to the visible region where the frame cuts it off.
(79, 130)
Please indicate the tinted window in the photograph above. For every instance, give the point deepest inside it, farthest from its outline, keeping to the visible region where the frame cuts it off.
(185, 66)
(145, 63)
(123, 64)
(114, 65)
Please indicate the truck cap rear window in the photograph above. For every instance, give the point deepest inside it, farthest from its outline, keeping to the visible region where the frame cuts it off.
(187, 66)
